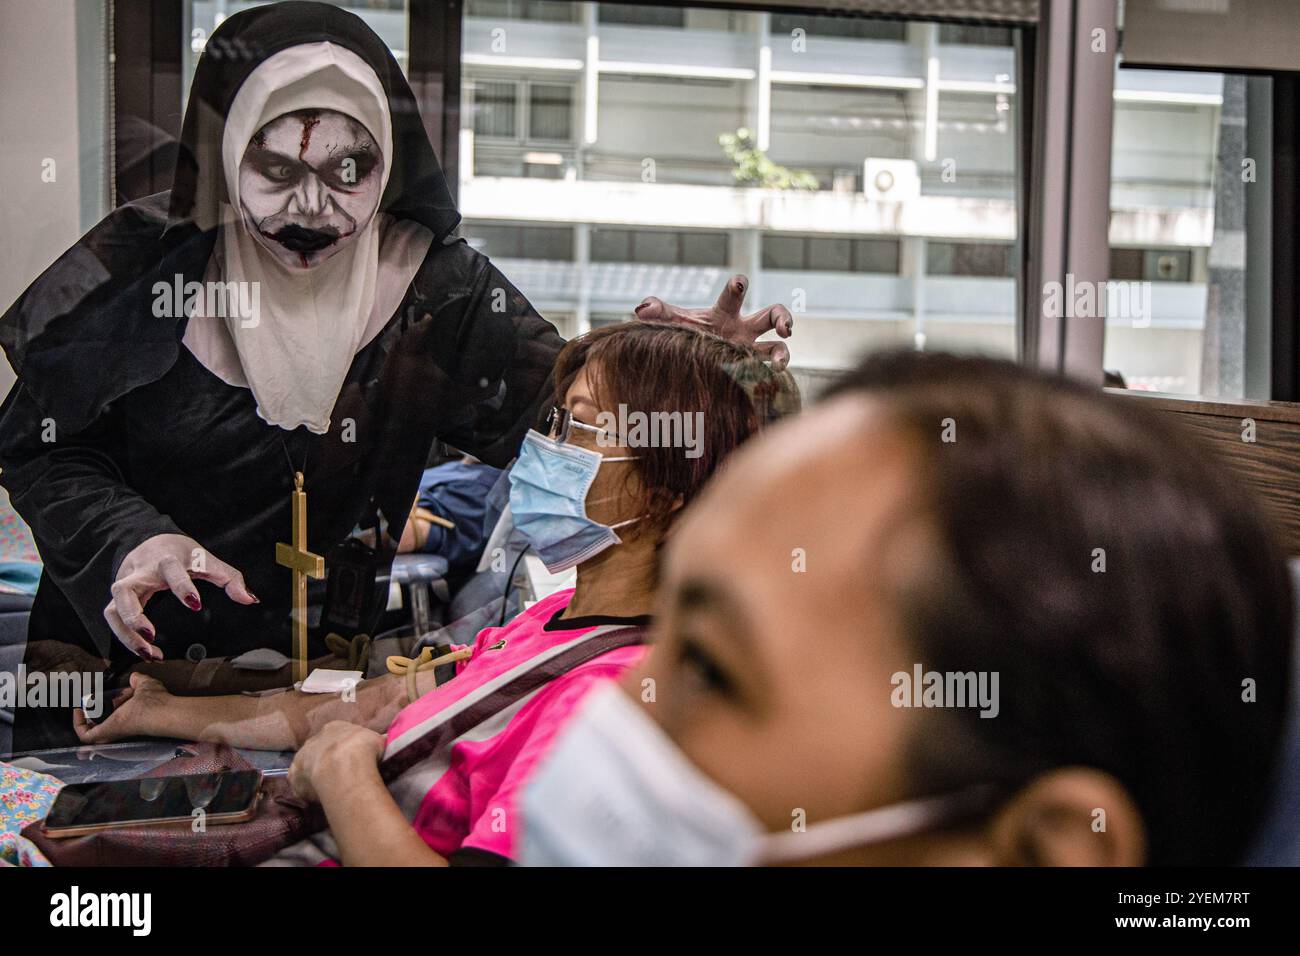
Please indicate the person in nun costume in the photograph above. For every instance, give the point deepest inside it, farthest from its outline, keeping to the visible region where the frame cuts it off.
(153, 437)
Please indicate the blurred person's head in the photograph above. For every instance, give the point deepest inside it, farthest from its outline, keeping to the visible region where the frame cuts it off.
(1116, 612)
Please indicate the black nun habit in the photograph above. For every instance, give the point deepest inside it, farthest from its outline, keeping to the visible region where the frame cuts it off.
(132, 418)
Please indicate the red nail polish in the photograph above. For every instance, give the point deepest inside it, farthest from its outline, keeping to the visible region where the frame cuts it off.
(643, 305)
(147, 633)
(256, 599)
(192, 600)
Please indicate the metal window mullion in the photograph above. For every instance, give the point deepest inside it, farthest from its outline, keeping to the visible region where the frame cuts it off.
(1069, 181)
(1088, 250)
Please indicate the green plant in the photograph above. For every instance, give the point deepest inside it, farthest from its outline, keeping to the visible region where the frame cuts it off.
(754, 168)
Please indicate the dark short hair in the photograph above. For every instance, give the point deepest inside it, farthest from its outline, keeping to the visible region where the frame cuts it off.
(656, 367)
(1136, 670)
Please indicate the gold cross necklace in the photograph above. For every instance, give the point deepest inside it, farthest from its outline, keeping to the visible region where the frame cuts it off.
(302, 562)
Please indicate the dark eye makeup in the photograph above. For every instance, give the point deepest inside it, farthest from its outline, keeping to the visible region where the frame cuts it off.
(337, 174)
(275, 169)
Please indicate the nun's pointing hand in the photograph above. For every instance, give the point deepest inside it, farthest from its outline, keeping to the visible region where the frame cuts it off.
(726, 320)
(161, 563)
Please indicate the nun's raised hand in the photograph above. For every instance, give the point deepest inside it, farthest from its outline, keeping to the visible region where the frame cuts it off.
(165, 562)
(725, 319)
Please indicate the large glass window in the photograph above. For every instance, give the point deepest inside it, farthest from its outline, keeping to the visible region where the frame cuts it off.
(825, 157)
(1189, 231)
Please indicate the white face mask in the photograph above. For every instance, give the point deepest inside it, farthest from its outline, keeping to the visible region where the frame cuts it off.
(616, 791)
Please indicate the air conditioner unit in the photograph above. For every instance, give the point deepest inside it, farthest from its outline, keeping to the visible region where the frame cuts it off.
(890, 180)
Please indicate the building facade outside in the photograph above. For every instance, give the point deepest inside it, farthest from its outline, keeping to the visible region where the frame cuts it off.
(877, 164)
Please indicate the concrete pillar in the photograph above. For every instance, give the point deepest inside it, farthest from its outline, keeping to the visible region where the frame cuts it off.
(1223, 351)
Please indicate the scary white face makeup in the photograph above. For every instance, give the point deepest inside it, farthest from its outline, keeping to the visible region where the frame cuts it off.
(309, 182)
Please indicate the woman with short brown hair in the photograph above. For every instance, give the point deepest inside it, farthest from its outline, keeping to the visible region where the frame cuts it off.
(585, 495)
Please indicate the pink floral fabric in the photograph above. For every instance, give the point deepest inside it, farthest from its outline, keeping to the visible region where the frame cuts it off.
(25, 797)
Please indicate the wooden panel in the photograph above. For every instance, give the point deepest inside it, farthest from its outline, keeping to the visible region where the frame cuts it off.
(1224, 35)
(1270, 465)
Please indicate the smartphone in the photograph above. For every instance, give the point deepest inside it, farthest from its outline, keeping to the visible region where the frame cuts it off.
(81, 808)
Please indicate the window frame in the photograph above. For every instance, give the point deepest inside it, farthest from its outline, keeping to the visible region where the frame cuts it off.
(522, 136)
(1283, 361)
(145, 57)
(435, 73)
(854, 241)
(630, 234)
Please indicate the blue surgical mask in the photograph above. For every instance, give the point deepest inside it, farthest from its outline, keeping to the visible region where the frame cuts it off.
(548, 501)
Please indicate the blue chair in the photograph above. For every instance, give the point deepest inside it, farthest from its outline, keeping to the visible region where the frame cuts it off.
(14, 611)
(1278, 843)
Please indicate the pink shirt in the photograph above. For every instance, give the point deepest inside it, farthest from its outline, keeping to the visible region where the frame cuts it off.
(475, 802)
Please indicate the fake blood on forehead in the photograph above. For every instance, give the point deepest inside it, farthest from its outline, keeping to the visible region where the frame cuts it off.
(309, 122)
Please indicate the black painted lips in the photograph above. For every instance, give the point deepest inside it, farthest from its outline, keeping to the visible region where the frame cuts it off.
(303, 240)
